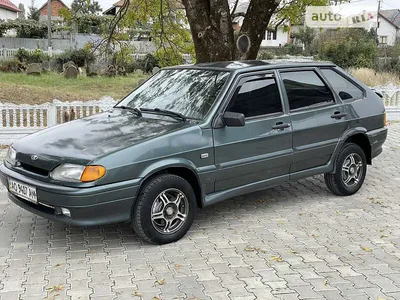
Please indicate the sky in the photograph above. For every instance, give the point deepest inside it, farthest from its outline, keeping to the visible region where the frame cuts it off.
(105, 4)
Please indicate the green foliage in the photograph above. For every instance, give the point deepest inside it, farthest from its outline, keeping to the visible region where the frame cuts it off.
(80, 57)
(34, 13)
(26, 28)
(347, 48)
(86, 23)
(305, 36)
(147, 64)
(265, 55)
(124, 55)
(37, 56)
(12, 66)
(85, 6)
(165, 22)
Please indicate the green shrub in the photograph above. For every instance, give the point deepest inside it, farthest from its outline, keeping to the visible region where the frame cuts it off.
(80, 57)
(265, 55)
(347, 48)
(37, 56)
(148, 63)
(13, 66)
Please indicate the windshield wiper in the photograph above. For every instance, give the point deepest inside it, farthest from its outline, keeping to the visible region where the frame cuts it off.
(133, 109)
(165, 112)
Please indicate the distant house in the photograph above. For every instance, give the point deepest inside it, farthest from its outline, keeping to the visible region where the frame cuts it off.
(389, 27)
(8, 11)
(272, 37)
(56, 5)
(113, 10)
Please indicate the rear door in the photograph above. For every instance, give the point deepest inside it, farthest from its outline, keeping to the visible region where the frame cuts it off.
(261, 150)
(317, 116)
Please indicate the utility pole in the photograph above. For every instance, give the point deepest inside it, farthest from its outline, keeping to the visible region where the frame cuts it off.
(377, 19)
(49, 23)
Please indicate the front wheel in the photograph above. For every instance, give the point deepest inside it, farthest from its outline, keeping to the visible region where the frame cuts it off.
(351, 168)
(164, 210)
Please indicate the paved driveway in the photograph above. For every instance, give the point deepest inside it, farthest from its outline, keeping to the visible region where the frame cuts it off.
(295, 241)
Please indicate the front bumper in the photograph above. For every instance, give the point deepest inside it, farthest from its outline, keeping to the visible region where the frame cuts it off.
(376, 139)
(98, 205)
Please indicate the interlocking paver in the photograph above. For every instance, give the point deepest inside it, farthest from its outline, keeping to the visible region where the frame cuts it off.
(328, 247)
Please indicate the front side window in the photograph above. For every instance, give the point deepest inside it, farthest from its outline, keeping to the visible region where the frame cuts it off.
(189, 92)
(305, 89)
(256, 98)
(342, 86)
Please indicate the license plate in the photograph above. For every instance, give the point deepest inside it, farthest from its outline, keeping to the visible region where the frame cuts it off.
(22, 190)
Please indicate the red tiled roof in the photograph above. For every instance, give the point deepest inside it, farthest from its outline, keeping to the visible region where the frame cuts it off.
(7, 4)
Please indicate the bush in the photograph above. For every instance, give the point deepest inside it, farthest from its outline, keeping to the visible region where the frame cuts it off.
(80, 57)
(347, 48)
(148, 63)
(14, 66)
(37, 56)
(265, 55)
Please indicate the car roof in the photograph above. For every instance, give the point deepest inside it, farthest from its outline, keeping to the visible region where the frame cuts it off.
(254, 65)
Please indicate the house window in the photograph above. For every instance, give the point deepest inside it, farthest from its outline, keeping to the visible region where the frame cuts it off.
(271, 35)
(383, 40)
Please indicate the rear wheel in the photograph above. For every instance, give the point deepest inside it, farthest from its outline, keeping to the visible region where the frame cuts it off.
(351, 168)
(164, 210)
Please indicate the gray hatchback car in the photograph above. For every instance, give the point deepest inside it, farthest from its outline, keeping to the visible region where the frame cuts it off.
(191, 136)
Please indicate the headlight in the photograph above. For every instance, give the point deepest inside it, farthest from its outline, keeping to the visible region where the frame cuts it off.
(77, 173)
(11, 155)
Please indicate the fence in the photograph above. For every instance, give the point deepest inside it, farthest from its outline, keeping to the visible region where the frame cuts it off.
(10, 53)
(20, 120)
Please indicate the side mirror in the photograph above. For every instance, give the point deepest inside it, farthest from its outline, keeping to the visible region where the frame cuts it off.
(233, 119)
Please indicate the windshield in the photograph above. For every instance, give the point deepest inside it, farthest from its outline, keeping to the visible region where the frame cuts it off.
(185, 91)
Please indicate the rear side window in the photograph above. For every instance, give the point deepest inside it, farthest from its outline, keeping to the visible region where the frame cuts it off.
(305, 89)
(342, 86)
(256, 98)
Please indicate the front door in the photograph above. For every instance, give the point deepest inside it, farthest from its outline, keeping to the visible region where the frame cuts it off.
(318, 119)
(261, 151)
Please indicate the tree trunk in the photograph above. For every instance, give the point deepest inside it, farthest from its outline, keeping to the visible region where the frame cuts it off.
(256, 22)
(211, 27)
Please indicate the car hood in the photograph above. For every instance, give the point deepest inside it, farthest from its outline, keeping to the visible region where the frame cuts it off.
(88, 138)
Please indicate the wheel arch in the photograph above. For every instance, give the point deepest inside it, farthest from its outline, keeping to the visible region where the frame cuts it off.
(181, 168)
(357, 136)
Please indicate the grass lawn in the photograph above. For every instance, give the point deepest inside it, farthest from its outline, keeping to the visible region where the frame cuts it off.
(21, 88)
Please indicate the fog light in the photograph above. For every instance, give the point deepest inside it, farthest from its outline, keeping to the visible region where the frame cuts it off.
(65, 212)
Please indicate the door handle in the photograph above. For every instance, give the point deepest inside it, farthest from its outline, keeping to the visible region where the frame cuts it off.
(281, 125)
(338, 115)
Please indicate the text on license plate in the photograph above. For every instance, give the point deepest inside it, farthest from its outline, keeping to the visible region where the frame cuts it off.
(22, 190)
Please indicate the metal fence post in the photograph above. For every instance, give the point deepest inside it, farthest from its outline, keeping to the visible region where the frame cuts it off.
(51, 115)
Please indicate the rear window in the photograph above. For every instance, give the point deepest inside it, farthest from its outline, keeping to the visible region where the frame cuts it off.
(342, 86)
(305, 89)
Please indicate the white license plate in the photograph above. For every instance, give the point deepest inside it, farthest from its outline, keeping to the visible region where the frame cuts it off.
(22, 190)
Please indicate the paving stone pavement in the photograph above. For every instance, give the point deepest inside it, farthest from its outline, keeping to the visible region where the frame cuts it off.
(296, 241)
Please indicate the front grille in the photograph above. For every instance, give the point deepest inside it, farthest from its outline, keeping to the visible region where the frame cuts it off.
(34, 169)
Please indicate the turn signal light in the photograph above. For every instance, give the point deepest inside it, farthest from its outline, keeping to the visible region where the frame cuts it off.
(92, 173)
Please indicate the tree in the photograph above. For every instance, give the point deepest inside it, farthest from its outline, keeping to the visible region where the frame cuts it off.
(21, 14)
(210, 23)
(34, 13)
(305, 36)
(85, 6)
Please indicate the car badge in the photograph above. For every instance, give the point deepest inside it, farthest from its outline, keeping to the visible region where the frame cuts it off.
(34, 157)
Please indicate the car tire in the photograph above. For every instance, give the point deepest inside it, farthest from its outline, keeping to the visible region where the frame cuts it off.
(164, 209)
(351, 168)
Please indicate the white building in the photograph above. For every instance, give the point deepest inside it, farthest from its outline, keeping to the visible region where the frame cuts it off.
(8, 11)
(276, 38)
(389, 27)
